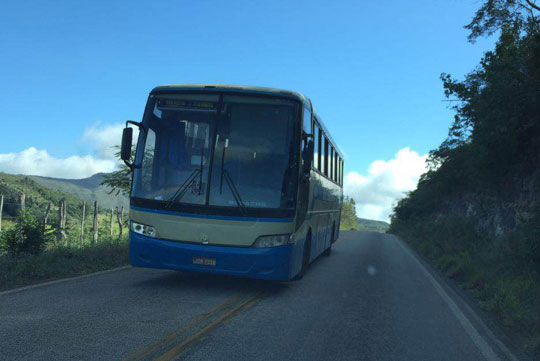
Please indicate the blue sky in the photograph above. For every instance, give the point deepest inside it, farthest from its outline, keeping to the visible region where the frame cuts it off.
(371, 68)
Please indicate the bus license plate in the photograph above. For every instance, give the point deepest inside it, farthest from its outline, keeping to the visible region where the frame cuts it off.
(204, 261)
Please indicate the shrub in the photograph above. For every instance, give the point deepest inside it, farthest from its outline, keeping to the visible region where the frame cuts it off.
(24, 236)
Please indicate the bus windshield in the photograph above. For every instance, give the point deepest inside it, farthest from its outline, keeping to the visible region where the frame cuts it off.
(248, 141)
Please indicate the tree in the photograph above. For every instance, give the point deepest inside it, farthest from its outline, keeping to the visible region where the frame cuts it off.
(349, 221)
(25, 236)
(119, 181)
(494, 15)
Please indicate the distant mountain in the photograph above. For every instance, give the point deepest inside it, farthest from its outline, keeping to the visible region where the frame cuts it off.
(372, 226)
(88, 189)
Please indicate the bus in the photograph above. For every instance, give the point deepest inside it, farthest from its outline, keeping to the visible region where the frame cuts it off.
(233, 180)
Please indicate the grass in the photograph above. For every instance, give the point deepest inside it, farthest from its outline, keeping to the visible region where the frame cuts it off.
(60, 262)
(501, 273)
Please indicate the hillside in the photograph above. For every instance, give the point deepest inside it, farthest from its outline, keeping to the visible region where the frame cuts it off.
(37, 196)
(88, 189)
(370, 225)
(476, 212)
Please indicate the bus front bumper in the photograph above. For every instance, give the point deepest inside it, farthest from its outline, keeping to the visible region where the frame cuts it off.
(275, 263)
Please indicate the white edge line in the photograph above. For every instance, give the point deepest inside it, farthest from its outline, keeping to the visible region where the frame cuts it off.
(16, 290)
(485, 349)
(491, 335)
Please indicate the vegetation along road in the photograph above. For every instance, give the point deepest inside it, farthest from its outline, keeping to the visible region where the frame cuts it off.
(373, 300)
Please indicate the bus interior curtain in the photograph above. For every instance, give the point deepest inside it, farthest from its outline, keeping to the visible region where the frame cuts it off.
(172, 147)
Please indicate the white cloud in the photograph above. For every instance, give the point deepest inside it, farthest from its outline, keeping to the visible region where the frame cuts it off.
(377, 192)
(38, 162)
(100, 138)
(103, 138)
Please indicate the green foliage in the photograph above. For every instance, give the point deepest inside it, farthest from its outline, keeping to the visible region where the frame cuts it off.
(37, 197)
(24, 237)
(349, 221)
(496, 14)
(64, 261)
(120, 181)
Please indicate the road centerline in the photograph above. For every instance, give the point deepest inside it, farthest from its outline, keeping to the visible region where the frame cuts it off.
(172, 345)
(177, 350)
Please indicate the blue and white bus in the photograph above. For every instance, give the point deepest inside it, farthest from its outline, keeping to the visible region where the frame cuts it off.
(232, 180)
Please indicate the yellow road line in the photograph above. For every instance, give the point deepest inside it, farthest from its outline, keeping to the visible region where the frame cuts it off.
(156, 346)
(175, 352)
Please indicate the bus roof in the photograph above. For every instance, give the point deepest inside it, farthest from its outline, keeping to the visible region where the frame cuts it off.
(231, 88)
(245, 89)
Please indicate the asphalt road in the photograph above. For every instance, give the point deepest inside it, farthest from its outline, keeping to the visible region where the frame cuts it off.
(370, 300)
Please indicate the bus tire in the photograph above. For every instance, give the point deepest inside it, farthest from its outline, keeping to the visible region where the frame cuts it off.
(305, 258)
(328, 251)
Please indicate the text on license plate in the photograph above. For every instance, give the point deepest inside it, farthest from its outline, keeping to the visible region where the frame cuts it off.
(204, 261)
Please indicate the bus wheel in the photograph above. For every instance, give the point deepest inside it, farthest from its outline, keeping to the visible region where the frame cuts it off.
(328, 251)
(305, 259)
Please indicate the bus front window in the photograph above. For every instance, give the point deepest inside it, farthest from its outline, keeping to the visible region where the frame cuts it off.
(175, 150)
(255, 154)
(250, 144)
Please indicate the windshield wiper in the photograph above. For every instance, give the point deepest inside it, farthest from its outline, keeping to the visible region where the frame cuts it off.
(189, 181)
(183, 188)
(228, 179)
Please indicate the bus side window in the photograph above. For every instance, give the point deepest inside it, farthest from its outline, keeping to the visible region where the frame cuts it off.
(319, 142)
(342, 164)
(325, 161)
(307, 121)
(331, 173)
(336, 178)
(337, 168)
(149, 173)
(339, 171)
(306, 128)
(316, 147)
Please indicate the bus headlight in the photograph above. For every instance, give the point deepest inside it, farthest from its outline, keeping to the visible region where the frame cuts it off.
(272, 241)
(143, 229)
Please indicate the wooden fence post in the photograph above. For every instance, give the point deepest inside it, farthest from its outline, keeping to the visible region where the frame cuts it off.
(22, 200)
(95, 223)
(1, 208)
(45, 219)
(112, 222)
(122, 219)
(60, 218)
(82, 221)
(64, 221)
(61, 236)
(119, 216)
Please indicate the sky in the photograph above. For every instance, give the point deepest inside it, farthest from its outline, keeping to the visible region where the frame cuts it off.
(71, 73)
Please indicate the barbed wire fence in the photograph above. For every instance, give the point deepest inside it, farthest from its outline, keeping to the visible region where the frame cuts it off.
(61, 226)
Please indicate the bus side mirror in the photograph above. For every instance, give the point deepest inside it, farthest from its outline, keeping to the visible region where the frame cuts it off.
(127, 143)
(127, 140)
